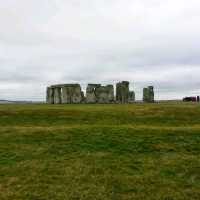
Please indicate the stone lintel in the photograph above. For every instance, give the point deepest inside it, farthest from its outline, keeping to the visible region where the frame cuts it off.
(65, 85)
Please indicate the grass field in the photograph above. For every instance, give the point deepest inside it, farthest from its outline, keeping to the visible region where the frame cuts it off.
(100, 152)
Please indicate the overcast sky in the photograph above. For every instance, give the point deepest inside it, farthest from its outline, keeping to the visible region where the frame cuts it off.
(148, 42)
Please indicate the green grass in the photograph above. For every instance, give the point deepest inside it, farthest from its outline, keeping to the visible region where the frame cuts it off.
(100, 152)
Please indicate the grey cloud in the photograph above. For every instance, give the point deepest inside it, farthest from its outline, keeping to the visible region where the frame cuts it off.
(144, 41)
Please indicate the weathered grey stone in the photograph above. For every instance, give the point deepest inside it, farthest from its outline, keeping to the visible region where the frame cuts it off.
(145, 94)
(57, 95)
(122, 92)
(50, 95)
(71, 93)
(131, 97)
(66, 94)
(76, 94)
(151, 93)
(95, 93)
(90, 93)
(111, 96)
(82, 97)
(104, 94)
(148, 94)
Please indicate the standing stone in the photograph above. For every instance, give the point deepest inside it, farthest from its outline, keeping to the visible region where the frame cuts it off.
(131, 97)
(76, 93)
(95, 93)
(57, 95)
(71, 93)
(148, 94)
(90, 93)
(111, 96)
(122, 92)
(145, 94)
(50, 95)
(151, 93)
(66, 94)
(104, 94)
(82, 97)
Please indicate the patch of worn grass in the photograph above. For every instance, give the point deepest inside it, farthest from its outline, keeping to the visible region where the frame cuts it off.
(140, 151)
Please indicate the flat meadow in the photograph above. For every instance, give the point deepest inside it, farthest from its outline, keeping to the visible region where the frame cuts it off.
(100, 152)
